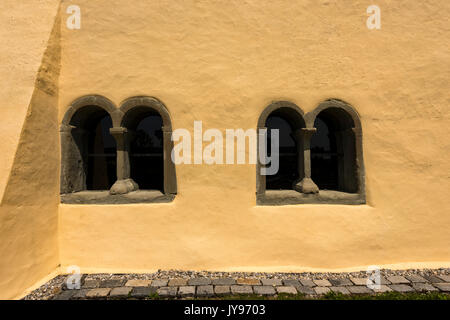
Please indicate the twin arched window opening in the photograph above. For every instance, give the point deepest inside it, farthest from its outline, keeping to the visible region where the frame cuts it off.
(127, 149)
(120, 150)
(320, 155)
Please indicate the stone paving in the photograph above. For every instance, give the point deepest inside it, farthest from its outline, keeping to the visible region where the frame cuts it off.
(187, 285)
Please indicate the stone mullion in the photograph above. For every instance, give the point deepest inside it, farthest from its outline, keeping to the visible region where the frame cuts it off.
(306, 184)
(124, 183)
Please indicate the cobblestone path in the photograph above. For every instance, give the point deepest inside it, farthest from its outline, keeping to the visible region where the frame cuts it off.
(185, 284)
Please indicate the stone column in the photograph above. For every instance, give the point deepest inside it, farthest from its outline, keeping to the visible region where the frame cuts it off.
(124, 183)
(170, 178)
(305, 185)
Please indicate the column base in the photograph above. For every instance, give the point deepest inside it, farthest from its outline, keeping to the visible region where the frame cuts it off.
(123, 186)
(306, 186)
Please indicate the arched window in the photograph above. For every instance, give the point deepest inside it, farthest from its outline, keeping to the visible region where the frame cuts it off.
(147, 131)
(328, 147)
(333, 151)
(288, 119)
(104, 148)
(88, 149)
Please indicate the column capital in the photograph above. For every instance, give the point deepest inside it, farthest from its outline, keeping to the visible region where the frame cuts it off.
(305, 132)
(118, 130)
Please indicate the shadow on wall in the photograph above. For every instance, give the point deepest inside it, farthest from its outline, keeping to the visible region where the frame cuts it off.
(29, 208)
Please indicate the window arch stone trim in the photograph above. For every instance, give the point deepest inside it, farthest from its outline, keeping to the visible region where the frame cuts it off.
(310, 118)
(150, 102)
(72, 176)
(276, 105)
(293, 197)
(170, 181)
(91, 100)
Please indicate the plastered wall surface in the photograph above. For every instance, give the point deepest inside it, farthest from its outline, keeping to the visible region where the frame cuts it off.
(29, 161)
(223, 62)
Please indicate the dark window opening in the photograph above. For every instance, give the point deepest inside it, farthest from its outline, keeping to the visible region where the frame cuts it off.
(288, 155)
(146, 150)
(96, 148)
(101, 173)
(333, 154)
(324, 157)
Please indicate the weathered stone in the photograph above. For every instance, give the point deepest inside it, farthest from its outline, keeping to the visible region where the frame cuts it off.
(322, 283)
(445, 287)
(138, 283)
(167, 292)
(91, 284)
(98, 293)
(111, 283)
(286, 289)
(120, 292)
(199, 281)
(264, 290)
(205, 291)
(271, 282)
(383, 288)
(177, 282)
(307, 283)
(359, 290)
(403, 288)
(248, 281)
(415, 278)
(445, 278)
(340, 282)
(65, 295)
(305, 290)
(383, 280)
(241, 289)
(80, 294)
(433, 279)
(222, 290)
(143, 292)
(423, 287)
(359, 281)
(398, 280)
(186, 291)
(159, 283)
(223, 282)
(342, 290)
(291, 283)
(321, 290)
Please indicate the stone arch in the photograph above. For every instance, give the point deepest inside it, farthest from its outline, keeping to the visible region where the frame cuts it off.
(75, 130)
(294, 116)
(346, 126)
(131, 110)
(91, 100)
(147, 102)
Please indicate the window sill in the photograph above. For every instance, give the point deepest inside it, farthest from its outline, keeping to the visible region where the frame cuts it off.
(103, 197)
(290, 197)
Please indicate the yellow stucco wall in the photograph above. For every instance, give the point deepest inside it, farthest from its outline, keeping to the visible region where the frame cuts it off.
(223, 62)
(29, 160)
